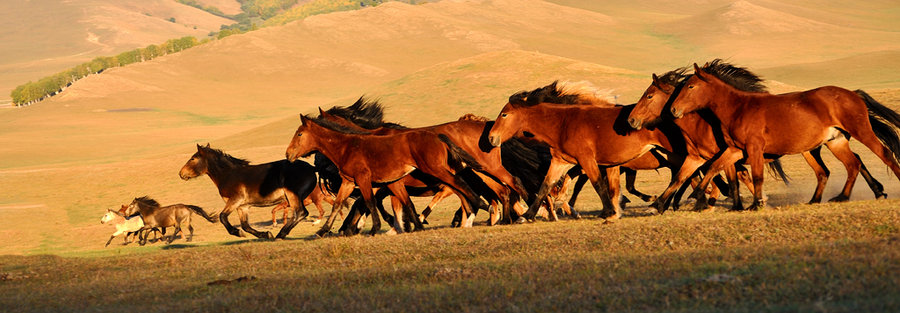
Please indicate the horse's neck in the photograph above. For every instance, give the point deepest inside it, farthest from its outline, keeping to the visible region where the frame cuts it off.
(333, 145)
(727, 102)
(220, 173)
(547, 124)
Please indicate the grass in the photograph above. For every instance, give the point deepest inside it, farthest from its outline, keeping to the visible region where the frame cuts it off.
(831, 258)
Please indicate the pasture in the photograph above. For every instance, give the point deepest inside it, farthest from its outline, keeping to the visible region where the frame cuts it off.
(125, 133)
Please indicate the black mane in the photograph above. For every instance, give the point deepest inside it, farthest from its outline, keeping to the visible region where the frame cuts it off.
(331, 125)
(219, 157)
(674, 77)
(368, 114)
(146, 200)
(737, 77)
(546, 94)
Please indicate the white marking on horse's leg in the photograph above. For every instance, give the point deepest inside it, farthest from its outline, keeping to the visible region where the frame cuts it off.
(317, 221)
(469, 220)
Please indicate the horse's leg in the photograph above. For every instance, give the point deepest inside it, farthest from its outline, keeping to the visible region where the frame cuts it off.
(230, 206)
(299, 213)
(244, 215)
(685, 171)
(342, 194)
(399, 214)
(873, 183)
(814, 159)
(727, 157)
(576, 189)
(734, 188)
(558, 168)
(437, 198)
(601, 185)
(867, 137)
(840, 147)
(365, 187)
(757, 172)
(351, 222)
(630, 178)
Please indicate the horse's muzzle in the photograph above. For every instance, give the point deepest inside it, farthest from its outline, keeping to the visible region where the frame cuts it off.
(495, 141)
(635, 123)
(677, 113)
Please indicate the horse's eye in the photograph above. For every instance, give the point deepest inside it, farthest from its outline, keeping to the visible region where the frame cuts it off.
(649, 97)
(503, 115)
(691, 87)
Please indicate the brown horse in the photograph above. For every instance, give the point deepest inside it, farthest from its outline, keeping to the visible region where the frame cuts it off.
(707, 141)
(242, 185)
(756, 124)
(466, 132)
(154, 215)
(364, 159)
(582, 135)
(316, 197)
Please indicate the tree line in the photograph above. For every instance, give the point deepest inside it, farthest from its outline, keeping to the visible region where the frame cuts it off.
(267, 12)
(34, 91)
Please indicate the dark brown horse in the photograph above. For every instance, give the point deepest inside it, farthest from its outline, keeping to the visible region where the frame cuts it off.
(756, 124)
(242, 186)
(364, 159)
(587, 135)
(707, 141)
(154, 215)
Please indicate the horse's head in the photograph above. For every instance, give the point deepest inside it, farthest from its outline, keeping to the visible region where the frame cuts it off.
(695, 94)
(653, 102)
(302, 144)
(109, 216)
(197, 165)
(506, 125)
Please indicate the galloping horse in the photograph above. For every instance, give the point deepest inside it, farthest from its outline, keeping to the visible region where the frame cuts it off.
(702, 138)
(465, 132)
(580, 134)
(154, 215)
(242, 185)
(756, 124)
(364, 159)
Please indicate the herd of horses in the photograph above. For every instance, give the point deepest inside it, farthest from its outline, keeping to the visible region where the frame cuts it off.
(699, 123)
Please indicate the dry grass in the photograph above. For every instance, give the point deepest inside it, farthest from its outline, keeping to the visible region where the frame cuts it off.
(828, 258)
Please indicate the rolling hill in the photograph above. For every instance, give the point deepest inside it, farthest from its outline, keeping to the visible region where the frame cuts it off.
(125, 132)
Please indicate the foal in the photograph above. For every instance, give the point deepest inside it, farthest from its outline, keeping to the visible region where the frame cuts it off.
(154, 215)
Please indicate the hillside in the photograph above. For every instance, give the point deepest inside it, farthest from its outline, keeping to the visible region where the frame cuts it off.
(43, 37)
(125, 133)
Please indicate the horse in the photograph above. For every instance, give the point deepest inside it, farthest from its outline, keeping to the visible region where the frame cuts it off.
(756, 124)
(364, 159)
(707, 141)
(242, 186)
(155, 215)
(316, 197)
(124, 225)
(466, 132)
(579, 134)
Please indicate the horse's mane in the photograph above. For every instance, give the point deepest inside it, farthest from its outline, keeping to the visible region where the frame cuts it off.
(146, 200)
(674, 77)
(335, 126)
(737, 77)
(474, 118)
(365, 113)
(224, 158)
(576, 93)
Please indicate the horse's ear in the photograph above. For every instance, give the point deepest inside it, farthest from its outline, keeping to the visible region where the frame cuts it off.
(656, 81)
(207, 145)
(321, 112)
(303, 119)
(699, 72)
(199, 147)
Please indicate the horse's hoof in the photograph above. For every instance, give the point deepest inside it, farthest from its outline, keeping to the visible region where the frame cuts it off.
(316, 222)
(700, 206)
(839, 198)
(321, 233)
(521, 220)
(391, 232)
(711, 201)
(882, 196)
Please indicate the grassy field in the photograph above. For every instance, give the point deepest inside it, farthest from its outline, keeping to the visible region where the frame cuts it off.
(126, 132)
(814, 258)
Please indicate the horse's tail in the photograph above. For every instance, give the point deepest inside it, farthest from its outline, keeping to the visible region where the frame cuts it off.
(457, 157)
(528, 163)
(329, 175)
(885, 123)
(199, 211)
(778, 171)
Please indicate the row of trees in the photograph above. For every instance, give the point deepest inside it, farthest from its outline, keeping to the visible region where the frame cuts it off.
(273, 12)
(51, 85)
